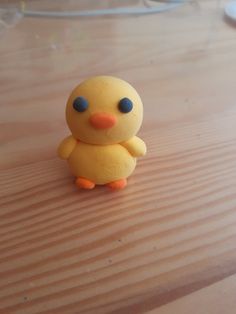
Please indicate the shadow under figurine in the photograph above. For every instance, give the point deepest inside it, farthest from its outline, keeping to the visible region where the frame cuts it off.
(104, 114)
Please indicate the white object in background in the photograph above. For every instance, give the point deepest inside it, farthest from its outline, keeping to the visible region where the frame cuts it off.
(162, 7)
(9, 18)
(230, 10)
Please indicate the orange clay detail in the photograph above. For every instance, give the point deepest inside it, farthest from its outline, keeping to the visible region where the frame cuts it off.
(117, 185)
(84, 184)
(102, 120)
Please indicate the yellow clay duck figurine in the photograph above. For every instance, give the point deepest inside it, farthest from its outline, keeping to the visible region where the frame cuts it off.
(104, 114)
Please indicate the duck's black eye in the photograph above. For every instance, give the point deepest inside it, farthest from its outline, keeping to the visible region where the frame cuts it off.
(125, 105)
(80, 104)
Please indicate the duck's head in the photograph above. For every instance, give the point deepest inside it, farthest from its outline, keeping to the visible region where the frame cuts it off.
(104, 110)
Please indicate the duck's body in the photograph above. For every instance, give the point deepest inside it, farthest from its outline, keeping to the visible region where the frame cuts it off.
(101, 164)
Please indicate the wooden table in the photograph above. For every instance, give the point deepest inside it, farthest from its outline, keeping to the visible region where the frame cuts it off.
(167, 243)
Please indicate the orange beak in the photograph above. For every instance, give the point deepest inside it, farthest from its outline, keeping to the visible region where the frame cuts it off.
(102, 120)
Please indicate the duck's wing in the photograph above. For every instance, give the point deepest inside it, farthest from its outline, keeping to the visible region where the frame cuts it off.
(66, 147)
(135, 146)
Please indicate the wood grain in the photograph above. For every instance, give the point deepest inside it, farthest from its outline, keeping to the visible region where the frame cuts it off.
(213, 299)
(168, 241)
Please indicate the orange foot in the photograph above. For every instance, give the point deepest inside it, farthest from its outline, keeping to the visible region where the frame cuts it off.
(117, 185)
(83, 183)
